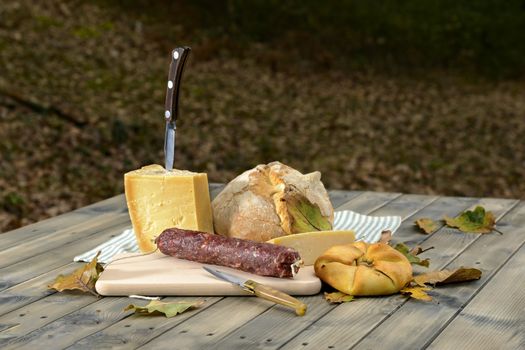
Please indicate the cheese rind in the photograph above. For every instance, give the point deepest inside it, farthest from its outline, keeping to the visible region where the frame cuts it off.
(158, 199)
(311, 245)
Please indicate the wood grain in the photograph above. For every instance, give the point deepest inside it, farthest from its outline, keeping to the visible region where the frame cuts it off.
(31, 290)
(65, 330)
(82, 321)
(427, 319)
(366, 314)
(495, 318)
(60, 256)
(75, 218)
(56, 239)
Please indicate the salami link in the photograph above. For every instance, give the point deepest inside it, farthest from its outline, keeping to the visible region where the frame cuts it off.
(264, 259)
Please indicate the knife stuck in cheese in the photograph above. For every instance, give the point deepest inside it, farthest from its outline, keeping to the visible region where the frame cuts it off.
(311, 245)
(158, 199)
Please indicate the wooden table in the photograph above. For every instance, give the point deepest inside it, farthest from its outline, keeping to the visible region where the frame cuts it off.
(486, 314)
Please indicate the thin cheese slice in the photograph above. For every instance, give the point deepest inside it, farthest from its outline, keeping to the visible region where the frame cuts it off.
(159, 199)
(311, 245)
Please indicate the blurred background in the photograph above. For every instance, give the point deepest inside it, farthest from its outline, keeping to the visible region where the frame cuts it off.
(407, 96)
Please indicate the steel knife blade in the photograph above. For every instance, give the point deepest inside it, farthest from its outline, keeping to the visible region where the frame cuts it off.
(171, 111)
(260, 290)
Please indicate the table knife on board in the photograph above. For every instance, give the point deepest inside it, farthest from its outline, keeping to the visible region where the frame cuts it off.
(260, 290)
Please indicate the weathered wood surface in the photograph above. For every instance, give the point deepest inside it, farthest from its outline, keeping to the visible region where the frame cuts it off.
(484, 314)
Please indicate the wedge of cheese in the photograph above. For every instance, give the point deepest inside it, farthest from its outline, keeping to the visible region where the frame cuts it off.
(312, 245)
(158, 199)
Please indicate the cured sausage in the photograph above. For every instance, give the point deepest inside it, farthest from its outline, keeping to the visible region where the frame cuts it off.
(264, 259)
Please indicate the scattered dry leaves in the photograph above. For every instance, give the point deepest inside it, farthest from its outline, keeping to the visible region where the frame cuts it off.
(427, 225)
(411, 254)
(476, 221)
(338, 297)
(462, 274)
(157, 307)
(83, 278)
(417, 292)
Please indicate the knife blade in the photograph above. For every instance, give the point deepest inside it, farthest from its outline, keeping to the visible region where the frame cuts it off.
(171, 111)
(260, 290)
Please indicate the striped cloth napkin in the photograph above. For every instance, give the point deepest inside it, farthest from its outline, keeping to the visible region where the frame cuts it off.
(367, 228)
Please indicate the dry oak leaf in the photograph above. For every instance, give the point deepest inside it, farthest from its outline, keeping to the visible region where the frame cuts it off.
(410, 254)
(476, 221)
(462, 274)
(417, 292)
(427, 225)
(167, 309)
(83, 278)
(338, 297)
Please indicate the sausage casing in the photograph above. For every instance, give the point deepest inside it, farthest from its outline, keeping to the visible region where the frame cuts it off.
(264, 259)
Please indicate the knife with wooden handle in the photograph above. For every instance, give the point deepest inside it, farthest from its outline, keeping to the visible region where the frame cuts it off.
(261, 290)
(171, 111)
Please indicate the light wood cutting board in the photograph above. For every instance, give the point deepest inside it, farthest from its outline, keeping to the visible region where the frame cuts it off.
(160, 275)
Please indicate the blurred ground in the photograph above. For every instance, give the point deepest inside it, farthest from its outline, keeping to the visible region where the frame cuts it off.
(81, 102)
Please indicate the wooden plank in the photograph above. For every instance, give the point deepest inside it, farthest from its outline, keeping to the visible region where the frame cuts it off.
(448, 244)
(76, 217)
(59, 256)
(495, 318)
(277, 322)
(338, 197)
(15, 323)
(221, 318)
(368, 201)
(63, 331)
(55, 240)
(31, 290)
(427, 319)
(119, 336)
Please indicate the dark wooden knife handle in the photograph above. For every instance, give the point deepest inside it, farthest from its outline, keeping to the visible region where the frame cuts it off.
(178, 59)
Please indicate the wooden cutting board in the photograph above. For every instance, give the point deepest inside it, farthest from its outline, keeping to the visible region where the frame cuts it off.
(160, 275)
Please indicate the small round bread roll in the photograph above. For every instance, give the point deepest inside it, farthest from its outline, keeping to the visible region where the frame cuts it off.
(364, 269)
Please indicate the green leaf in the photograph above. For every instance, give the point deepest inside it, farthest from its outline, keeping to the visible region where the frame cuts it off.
(476, 221)
(167, 309)
(83, 278)
(338, 297)
(409, 254)
(427, 225)
(307, 217)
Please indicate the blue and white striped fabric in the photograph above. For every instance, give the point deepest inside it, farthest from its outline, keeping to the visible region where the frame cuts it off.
(367, 228)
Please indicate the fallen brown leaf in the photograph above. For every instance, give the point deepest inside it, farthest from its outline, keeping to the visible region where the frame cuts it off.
(417, 292)
(338, 297)
(462, 274)
(83, 278)
(427, 225)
